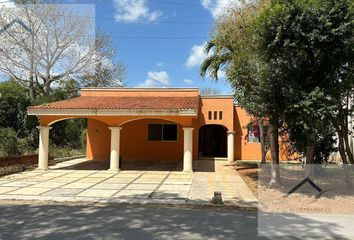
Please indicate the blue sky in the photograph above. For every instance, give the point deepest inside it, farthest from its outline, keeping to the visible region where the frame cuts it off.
(161, 41)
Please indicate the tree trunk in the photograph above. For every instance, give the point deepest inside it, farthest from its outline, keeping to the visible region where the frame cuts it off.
(263, 150)
(310, 154)
(341, 147)
(274, 150)
(46, 88)
(31, 90)
(31, 77)
(347, 145)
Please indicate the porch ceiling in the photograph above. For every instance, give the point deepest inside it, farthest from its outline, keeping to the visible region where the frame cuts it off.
(120, 106)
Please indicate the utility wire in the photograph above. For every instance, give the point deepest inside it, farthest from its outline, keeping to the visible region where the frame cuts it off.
(157, 38)
(156, 21)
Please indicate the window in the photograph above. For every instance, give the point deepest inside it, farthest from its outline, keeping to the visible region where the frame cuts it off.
(220, 115)
(210, 115)
(162, 132)
(215, 115)
(169, 132)
(155, 132)
(253, 135)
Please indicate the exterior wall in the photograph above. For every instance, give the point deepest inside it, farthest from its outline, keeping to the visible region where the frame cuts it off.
(243, 149)
(226, 105)
(134, 144)
(98, 142)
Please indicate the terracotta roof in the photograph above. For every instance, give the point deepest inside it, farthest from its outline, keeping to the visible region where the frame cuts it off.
(134, 103)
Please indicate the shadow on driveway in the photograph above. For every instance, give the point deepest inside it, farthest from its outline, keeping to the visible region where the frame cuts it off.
(114, 221)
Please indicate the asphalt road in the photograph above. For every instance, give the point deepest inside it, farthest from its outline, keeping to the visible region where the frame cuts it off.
(64, 221)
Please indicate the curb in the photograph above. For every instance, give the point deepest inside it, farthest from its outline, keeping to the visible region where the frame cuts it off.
(152, 203)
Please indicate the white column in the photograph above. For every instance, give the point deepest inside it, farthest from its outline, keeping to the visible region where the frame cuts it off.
(115, 141)
(43, 147)
(188, 149)
(230, 145)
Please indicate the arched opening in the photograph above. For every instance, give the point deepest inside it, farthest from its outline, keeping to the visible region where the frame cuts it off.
(85, 141)
(68, 138)
(212, 141)
(151, 144)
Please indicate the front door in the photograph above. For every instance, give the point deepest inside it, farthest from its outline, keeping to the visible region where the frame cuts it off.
(212, 141)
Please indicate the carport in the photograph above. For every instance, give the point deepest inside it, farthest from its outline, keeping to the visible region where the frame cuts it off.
(127, 124)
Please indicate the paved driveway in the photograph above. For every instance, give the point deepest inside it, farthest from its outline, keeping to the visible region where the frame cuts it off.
(62, 182)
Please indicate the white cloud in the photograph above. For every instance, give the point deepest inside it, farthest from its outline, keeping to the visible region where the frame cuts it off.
(160, 64)
(196, 56)
(188, 81)
(135, 10)
(156, 79)
(216, 6)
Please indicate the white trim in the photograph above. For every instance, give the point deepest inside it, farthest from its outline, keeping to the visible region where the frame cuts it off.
(112, 112)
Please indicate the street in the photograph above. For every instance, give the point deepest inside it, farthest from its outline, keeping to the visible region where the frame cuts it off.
(66, 221)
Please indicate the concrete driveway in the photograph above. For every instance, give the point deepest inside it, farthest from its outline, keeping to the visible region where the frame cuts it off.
(63, 183)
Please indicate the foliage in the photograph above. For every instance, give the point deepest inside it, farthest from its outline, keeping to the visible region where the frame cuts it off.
(53, 43)
(209, 91)
(9, 142)
(64, 151)
(291, 62)
(257, 89)
(13, 106)
(107, 73)
(68, 133)
(309, 45)
(18, 131)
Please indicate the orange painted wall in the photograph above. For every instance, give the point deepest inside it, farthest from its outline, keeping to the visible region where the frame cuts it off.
(243, 149)
(134, 145)
(98, 140)
(226, 105)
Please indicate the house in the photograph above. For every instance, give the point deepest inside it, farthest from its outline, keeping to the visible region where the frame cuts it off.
(158, 125)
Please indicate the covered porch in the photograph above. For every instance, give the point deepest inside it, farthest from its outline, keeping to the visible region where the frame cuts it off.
(126, 129)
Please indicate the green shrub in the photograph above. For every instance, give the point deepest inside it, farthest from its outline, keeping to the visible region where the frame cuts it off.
(9, 143)
(64, 151)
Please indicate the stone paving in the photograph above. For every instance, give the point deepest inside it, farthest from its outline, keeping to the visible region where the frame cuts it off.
(64, 183)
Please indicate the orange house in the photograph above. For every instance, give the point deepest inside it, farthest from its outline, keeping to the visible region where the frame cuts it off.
(157, 125)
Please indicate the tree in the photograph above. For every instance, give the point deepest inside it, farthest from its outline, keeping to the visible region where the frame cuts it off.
(209, 91)
(232, 47)
(13, 106)
(9, 143)
(107, 73)
(61, 46)
(310, 44)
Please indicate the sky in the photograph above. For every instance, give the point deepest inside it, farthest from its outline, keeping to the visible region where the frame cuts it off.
(160, 41)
